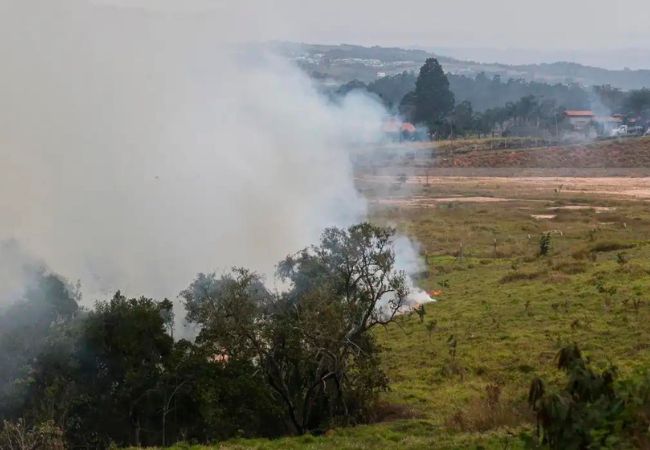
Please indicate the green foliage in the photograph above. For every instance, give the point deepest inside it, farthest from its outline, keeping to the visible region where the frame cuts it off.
(494, 92)
(27, 327)
(462, 119)
(591, 411)
(212, 399)
(544, 244)
(392, 89)
(432, 100)
(312, 343)
(638, 102)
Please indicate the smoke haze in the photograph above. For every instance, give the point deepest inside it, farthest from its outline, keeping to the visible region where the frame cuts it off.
(139, 147)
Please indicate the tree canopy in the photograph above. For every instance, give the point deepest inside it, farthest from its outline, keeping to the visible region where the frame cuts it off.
(264, 362)
(433, 100)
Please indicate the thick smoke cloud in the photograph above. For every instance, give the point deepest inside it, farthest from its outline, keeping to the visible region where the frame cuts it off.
(138, 147)
(16, 269)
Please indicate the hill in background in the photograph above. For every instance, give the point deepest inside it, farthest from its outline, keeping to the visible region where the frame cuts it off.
(343, 63)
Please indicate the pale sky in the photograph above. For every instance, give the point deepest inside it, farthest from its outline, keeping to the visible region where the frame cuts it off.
(540, 25)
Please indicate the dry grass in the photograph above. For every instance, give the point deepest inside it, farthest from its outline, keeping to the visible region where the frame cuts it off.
(490, 411)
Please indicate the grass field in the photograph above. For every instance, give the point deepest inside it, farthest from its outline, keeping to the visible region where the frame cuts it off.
(459, 378)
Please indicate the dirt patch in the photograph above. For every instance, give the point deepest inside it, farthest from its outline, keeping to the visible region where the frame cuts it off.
(434, 201)
(621, 187)
(596, 209)
(543, 216)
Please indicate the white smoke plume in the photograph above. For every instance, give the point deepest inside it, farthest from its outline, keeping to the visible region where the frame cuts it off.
(15, 272)
(408, 259)
(140, 147)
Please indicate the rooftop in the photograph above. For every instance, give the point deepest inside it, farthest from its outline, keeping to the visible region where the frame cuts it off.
(578, 113)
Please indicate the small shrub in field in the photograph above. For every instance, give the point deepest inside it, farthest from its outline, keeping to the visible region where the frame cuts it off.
(621, 258)
(420, 312)
(544, 244)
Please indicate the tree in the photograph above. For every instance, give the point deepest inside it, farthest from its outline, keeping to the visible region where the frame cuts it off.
(462, 119)
(433, 98)
(27, 327)
(124, 347)
(353, 85)
(312, 342)
(392, 89)
(638, 102)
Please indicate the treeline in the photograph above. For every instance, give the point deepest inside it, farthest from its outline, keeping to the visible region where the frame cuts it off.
(483, 105)
(263, 364)
(481, 91)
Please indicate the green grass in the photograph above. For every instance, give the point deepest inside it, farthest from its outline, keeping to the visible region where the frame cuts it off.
(509, 312)
(410, 435)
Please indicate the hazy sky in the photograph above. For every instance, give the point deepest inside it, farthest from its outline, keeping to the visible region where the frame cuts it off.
(547, 25)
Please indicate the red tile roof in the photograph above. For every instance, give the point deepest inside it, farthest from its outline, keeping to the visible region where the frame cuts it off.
(408, 127)
(576, 113)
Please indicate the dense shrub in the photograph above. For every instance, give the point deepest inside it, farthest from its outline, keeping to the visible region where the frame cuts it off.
(591, 410)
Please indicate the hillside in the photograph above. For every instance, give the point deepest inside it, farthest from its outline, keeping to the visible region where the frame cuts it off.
(626, 153)
(507, 311)
(344, 63)
(509, 156)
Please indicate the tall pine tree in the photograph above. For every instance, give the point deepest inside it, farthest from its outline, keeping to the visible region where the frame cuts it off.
(433, 100)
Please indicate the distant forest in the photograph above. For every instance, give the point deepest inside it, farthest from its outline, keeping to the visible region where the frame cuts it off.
(347, 62)
(482, 92)
(451, 105)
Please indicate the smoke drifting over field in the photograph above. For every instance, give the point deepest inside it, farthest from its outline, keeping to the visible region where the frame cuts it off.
(139, 148)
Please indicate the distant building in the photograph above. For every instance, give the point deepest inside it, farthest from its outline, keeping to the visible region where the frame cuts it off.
(579, 120)
(408, 128)
(397, 130)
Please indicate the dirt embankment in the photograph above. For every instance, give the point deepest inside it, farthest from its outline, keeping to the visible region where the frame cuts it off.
(626, 153)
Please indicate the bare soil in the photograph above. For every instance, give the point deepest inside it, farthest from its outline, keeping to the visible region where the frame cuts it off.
(616, 187)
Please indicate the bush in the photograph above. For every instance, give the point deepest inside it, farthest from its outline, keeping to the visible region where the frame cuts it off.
(544, 244)
(591, 411)
(18, 436)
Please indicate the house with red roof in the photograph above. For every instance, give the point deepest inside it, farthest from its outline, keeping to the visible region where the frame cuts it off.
(579, 119)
